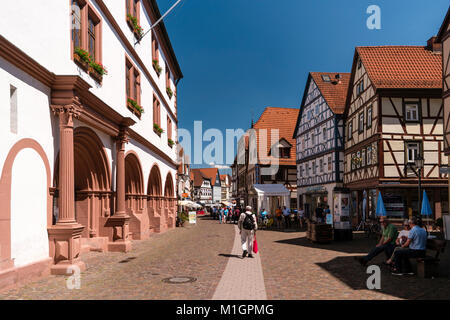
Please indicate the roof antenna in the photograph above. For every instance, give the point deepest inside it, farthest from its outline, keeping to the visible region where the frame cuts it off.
(159, 20)
(251, 111)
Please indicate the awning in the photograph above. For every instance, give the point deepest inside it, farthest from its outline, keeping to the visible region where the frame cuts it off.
(271, 190)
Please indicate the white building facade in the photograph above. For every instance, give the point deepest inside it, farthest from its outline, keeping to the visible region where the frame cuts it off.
(87, 159)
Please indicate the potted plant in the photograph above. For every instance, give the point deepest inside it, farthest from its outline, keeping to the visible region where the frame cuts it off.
(169, 92)
(134, 107)
(170, 142)
(157, 67)
(82, 58)
(133, 23)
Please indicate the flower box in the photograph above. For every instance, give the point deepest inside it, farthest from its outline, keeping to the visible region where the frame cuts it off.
(81, 58)
(169, 92)
(157, 67)
(134, 25)
(158, 130)
(94, 74)
(135, 107)
(170, 142)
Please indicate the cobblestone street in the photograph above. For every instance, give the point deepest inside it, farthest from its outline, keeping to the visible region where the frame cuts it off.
(291, 266)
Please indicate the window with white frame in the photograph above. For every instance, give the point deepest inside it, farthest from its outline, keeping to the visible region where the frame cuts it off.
(314, 166)
(369, 117)
(329, 164)
(369, 155)
(363, 157)
(324, 133)
(361, 122)
(412, 112)
(321, 165)
(412, 151)
(358, 157)
(350, 130)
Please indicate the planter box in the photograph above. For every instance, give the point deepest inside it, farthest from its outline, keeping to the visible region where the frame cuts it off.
(134, 110)
(81, 63)
(94, 74)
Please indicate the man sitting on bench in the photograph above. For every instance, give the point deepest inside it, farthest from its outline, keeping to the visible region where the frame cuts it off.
(415, 247)
(386, 243)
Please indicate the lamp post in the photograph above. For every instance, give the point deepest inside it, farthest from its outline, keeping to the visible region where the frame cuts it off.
(419, 165)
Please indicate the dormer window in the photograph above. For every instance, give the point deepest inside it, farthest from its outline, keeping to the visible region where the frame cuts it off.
(284, 149)
(326, 78)
(285, 152)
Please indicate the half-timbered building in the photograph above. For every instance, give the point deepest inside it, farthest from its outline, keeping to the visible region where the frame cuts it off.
(266, 155)
(393, 115)
(443, 38)
(319, 138)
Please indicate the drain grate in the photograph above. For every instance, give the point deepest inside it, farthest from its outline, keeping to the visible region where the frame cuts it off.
(178, 280)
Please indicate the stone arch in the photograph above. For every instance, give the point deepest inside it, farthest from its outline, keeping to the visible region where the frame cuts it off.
(169, 201)
(92, 182)
(134, 184)
(5, 196)
(155, 199)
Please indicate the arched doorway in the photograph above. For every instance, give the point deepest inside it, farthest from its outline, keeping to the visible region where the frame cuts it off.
(154, 203)
(25, 208)
(92, 181)
(169, 202)
(135, 197)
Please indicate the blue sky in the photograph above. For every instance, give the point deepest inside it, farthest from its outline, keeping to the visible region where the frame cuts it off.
(239, 56)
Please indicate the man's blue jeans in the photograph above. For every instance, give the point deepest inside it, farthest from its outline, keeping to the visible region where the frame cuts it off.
(220, 218)
(387, 248)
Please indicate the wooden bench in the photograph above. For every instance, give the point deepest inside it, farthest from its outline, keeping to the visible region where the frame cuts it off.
(428, 266)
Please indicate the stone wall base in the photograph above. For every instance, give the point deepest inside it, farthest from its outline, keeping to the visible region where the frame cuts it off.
(21, 275)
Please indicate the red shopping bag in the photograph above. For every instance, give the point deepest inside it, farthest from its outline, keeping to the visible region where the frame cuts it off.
(255, 246)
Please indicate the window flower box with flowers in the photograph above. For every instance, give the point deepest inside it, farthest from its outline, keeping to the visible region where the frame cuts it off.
(169, 92)
(97, 71)
(158, 130)
(81, 58)
(135, 107)
(157, 67)
(170, 142)
(134, 25)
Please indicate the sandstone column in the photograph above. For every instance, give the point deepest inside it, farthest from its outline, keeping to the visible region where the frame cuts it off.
(120, 222)
(66, 234)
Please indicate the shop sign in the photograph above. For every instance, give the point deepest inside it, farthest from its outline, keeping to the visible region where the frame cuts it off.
(316, 189)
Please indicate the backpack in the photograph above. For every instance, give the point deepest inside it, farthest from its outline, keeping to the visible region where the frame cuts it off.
(249, 223)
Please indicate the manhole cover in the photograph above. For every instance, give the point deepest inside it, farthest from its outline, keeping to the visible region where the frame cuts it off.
(177, 280)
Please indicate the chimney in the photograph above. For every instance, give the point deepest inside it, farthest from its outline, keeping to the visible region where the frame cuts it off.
(434, 46)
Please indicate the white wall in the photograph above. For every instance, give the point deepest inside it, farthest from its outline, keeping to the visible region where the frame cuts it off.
(29, 239)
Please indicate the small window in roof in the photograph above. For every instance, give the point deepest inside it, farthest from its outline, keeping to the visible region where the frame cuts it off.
(326, 78)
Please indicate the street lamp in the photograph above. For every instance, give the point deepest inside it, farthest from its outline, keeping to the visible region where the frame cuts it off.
(419, 165)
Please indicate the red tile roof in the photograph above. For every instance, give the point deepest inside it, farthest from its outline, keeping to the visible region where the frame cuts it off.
(204, 173)
(405, 67)
(334, 93)
(283, 119)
